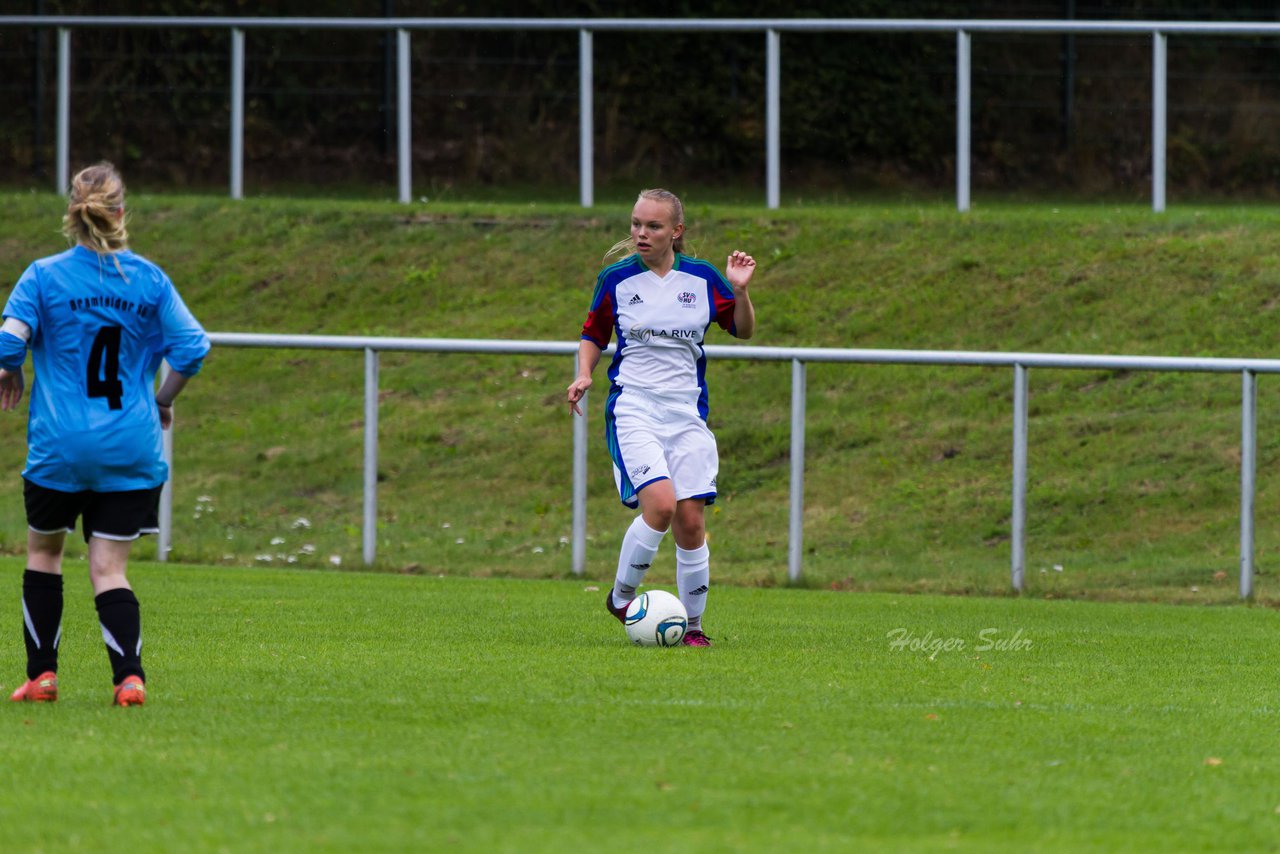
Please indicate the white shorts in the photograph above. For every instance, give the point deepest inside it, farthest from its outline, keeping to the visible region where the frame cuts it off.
(654, 438)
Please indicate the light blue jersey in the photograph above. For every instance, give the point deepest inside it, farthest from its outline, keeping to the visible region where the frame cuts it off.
(96, 342)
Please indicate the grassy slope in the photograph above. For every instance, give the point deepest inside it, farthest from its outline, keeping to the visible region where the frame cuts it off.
(1134, 476)
(321, 711)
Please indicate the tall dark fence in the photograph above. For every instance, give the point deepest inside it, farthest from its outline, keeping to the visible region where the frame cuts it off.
(495, 110)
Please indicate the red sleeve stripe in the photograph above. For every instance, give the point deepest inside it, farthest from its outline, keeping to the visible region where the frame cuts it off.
(722, 295)
(600, 321)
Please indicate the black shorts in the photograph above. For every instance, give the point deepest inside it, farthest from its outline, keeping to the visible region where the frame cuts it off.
(120, 516)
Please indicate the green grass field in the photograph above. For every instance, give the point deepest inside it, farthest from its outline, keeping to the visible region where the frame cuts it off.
(296, 710)
(472, 695)
(1133, 477)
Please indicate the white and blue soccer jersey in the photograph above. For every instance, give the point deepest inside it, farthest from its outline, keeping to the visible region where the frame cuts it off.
(96, 342)
(660, 323)
(656, 412)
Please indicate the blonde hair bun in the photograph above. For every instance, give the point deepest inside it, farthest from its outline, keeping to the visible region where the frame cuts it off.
(94, 209)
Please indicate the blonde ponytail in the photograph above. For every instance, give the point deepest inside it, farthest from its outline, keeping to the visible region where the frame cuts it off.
(94, 209)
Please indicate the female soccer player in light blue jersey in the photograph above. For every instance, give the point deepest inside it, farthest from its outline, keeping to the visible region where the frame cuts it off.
(661, 302)
(98, 319)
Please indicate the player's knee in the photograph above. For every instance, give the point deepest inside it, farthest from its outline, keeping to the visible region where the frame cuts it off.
(691, 536)
(659, 515)
(104, 581)
(44, 549)
(659, 518)
(690, 529)
(107, 570)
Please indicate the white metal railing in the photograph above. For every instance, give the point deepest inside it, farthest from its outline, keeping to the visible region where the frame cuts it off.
(799, 357)
(585, 27)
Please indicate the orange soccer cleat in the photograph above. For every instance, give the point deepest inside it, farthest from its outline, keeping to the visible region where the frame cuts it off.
(130, 692)
(42, 689)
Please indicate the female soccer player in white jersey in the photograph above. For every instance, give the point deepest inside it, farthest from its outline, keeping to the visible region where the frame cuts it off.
(661, 303)
(97, 319)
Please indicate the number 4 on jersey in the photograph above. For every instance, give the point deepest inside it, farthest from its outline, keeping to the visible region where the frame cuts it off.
(104, 367)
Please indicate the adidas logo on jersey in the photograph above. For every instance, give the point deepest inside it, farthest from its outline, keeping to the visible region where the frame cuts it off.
(635, 300)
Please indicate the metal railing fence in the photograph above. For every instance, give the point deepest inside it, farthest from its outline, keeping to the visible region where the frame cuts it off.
(799, 358)
(585, 27)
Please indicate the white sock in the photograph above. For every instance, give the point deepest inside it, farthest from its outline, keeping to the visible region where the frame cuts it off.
(693, 578)
(638, 548)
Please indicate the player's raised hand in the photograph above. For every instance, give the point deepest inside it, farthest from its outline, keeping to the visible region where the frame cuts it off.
(739, 268)
(11, 385)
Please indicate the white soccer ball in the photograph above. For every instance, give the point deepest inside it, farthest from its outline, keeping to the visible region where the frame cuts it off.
(656, 618)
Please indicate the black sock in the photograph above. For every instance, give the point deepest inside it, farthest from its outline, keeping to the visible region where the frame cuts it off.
(41, 620)
(122, 632)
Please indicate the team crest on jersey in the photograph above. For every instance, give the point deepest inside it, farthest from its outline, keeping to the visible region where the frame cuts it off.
(687, 299)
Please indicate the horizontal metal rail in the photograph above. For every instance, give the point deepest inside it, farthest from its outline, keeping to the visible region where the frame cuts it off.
(721, 25)
(799, 357)
(963, 358)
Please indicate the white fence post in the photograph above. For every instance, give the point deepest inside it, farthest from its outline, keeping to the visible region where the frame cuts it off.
(586, 120)
(237, 113)
(404, 118)
(62, 168)
(773, 119)
(370, 455)
(579, 481)
(1248, 468)
(963, 97)
(1018, 520)
(1159, 120)
(795, 538)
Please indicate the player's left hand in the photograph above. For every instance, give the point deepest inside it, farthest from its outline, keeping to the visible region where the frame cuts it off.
(739, 270)
(11, 385)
